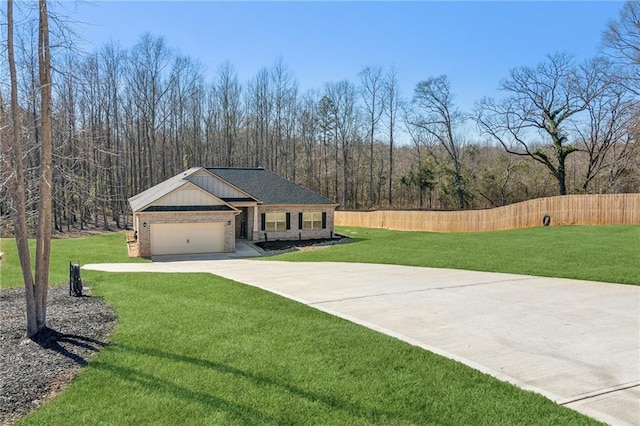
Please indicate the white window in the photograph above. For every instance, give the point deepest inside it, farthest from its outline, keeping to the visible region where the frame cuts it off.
(312, 220)
(275, 221)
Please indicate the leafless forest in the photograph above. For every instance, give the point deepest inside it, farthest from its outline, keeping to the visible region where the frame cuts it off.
(128, 117)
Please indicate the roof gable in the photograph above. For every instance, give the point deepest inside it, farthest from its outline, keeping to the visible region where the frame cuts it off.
(269, 187)
(188, 194)
(177, 191)
(143, 199)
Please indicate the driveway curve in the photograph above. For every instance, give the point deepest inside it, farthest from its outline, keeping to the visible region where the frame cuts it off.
(575, 342)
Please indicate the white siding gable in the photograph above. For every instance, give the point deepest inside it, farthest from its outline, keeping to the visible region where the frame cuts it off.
(216, 186)
(189, 195)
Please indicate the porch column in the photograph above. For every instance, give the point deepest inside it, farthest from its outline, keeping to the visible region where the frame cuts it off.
(255, 221)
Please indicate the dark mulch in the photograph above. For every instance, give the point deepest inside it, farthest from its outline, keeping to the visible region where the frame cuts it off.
(33, 371)
(292, 244)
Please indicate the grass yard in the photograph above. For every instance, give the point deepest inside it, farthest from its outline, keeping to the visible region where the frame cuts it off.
(109, 247)
(596, 253)
(198, 349)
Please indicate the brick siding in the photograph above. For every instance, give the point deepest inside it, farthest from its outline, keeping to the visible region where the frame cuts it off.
(144, 232)
(294, 233)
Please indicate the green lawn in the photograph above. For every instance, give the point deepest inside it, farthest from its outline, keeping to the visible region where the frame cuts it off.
(598, 253)
(109, 247)
(198, 349)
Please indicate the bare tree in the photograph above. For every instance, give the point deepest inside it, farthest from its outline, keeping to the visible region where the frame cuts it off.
(343, 98)
(622, 38)
(259, 114)
(372, 86)
(177, 126)
(14, 155)
(540, 104)
(436, 114)
(309, 126)
(35, 289)
(605, 135)
(43, 238)
(147, 79)
(228, 93)
(328, 138)
(393, 100)
(285, 92)
(113, 59)
(66, 146)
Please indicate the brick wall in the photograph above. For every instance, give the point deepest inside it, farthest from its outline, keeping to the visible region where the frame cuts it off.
(144, 232)
(294, 233)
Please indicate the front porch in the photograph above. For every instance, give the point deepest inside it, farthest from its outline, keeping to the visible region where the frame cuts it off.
(246, 221)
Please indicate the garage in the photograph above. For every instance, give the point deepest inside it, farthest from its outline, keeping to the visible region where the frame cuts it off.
(185, 238)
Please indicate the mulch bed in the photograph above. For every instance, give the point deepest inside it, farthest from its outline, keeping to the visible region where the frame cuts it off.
(293, 244)
(33, 371)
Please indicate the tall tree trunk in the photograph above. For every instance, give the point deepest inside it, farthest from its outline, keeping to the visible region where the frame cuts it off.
(561, 176)
(14, 154)
(371, 197)
(392, 103)
(43, 247)
(345, 174)
(391, 165)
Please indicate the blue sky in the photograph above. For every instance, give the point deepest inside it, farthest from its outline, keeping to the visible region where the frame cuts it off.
(474, 43)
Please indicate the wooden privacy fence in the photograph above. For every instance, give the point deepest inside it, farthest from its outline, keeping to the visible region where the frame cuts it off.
(603, 209)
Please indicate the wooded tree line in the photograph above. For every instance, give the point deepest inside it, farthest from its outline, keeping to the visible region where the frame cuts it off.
(125, 119)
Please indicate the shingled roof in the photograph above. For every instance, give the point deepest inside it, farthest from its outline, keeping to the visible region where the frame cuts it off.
(268, 187)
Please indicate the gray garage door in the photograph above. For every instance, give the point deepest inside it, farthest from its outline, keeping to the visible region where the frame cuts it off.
(186, 238)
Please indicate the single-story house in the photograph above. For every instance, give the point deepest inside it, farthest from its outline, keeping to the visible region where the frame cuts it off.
(204, 210)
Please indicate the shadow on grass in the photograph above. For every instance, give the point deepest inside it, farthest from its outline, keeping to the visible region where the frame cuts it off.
(51, 339)
(245, 414)
(351, 238)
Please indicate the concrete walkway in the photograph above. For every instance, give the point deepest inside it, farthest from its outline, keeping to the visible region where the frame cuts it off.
(243, 250)
(576, 342)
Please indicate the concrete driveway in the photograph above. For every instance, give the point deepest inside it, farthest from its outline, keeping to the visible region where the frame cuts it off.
(576, 342)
